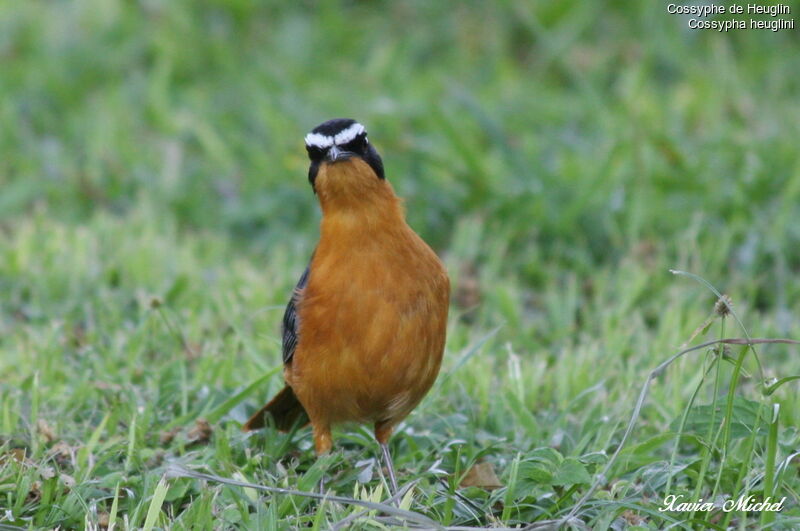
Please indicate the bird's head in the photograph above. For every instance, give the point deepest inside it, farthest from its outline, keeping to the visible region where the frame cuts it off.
(342, 159)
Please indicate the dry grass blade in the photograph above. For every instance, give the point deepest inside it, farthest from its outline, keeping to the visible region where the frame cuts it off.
(742, 341)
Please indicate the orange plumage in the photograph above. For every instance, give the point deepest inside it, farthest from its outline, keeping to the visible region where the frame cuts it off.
(372, 315)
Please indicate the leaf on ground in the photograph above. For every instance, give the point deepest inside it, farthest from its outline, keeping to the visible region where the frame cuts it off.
(571, 472)
(63, 453)
(192, 350)
(67, 480)
(365, 467)
(16, 454)
(481, 475)
(45, 430)
(468, 293)
(107, 386)
(35, 492)
(699, 420)
(166, 437)
(548, 467)
(632, 518)
(201, 433)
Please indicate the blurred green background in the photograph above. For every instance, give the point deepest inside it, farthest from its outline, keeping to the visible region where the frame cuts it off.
(576, 132)
(561, 157)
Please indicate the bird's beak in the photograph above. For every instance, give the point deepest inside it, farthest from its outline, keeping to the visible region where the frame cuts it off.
(335, 154)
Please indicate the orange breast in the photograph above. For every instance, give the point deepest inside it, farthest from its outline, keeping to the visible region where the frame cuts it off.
(372, 322)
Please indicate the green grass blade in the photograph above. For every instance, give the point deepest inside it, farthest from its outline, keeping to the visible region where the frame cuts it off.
(154, 510)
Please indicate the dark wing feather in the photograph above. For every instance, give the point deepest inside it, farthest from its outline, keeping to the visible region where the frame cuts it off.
(291, 324)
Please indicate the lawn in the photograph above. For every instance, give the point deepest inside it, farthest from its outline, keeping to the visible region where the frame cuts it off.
(561, 157)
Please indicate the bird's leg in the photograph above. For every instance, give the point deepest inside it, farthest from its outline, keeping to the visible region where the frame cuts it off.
(387, 458)
(382, 433)
(322, 444)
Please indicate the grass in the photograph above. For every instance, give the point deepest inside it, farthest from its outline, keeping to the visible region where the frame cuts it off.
(561, 157)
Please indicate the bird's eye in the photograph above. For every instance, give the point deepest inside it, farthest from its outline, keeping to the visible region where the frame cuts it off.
(315, 152)
(356, 145)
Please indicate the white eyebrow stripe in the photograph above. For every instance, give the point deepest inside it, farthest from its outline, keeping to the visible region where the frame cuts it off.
(318, 140)
(342, 137)
(348, 134)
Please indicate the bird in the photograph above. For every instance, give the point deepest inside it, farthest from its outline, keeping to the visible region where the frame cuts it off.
(363, 334)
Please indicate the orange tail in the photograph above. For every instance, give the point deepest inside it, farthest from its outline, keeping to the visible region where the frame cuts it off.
(285, 410)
